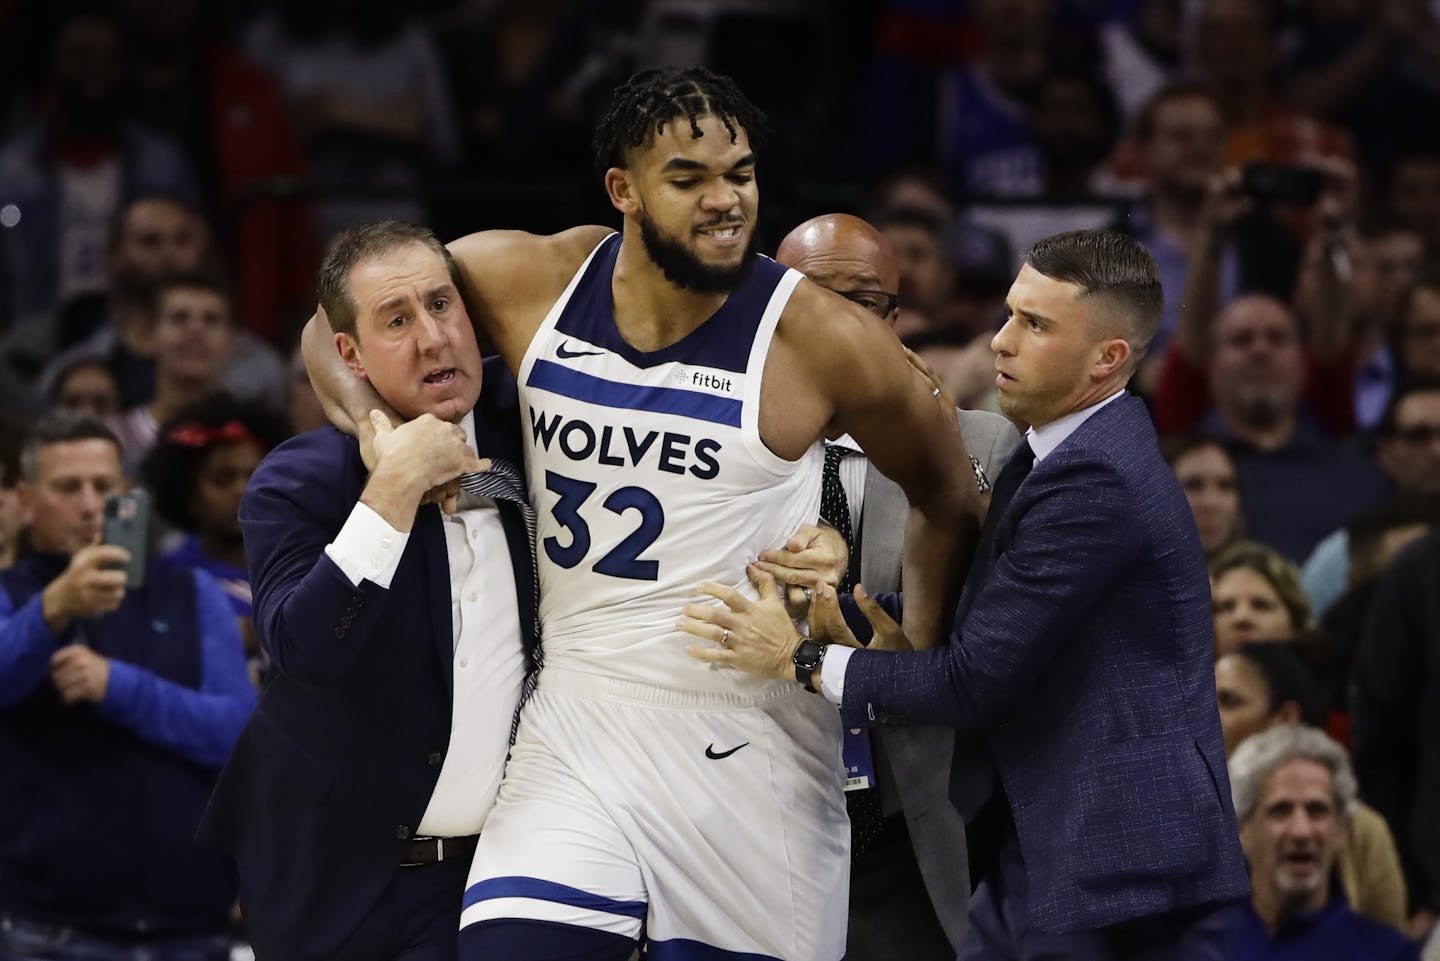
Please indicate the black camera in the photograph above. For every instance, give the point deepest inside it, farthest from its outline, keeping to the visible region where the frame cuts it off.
(1291, 185)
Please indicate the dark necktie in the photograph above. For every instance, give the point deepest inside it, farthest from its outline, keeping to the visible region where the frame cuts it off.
(504, 482)
(863, 805)
(835, 509)
(991, 824)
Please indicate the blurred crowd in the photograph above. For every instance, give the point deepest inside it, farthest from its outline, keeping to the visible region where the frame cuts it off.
(170, 170)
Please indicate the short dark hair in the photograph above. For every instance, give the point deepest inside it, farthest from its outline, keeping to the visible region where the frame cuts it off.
(907, 216)
(185, 442)
(1286, 678)
(653, 97)
(1406, 388)
(1367, 529)
(1144, 126)
(197, 279)
(357, 244)
(1175, 447)
(59, 427)
(1109, 264)
(94, 362)
(121, 221)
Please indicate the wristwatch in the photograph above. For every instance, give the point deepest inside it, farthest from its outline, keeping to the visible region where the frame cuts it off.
(809, 655)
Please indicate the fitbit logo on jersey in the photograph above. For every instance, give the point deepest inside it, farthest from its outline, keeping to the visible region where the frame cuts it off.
(714, 382)
(625, 447)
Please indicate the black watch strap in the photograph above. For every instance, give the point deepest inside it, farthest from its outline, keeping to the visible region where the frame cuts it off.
(809, 655)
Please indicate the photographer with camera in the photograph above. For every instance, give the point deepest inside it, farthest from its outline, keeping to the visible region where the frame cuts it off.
(118, 705)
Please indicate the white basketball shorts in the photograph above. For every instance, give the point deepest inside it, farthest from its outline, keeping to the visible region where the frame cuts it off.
(715, 821)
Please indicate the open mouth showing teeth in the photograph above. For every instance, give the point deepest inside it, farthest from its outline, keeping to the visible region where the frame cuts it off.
(440, 376)
(728, 232)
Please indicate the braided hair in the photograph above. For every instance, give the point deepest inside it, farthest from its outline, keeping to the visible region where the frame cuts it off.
(651, 98)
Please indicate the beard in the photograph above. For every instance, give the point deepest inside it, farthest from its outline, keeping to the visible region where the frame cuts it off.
(1264, 406)
(685, 270)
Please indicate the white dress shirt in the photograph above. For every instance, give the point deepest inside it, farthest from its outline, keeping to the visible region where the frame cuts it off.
(489, 664)
(1042, 441)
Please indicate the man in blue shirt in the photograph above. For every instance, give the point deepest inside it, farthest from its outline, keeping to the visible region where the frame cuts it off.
(117, 708)
(1294, 790)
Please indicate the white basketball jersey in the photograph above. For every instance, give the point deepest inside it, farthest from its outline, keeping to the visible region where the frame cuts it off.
(649, 476)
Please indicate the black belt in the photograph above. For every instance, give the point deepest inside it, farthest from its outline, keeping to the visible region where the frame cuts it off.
(434, 850)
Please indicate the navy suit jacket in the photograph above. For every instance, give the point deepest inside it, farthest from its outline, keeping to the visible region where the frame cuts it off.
(1085, 663)
(334, 770)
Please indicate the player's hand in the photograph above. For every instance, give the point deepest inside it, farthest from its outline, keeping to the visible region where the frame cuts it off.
(933, 383)
(814, 555)
(827, 624)
(889, 636)
(756, 636)
(80, 674)
(90, 586)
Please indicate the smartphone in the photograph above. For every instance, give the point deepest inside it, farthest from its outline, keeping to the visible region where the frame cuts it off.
(1293, 185)
(127, 525)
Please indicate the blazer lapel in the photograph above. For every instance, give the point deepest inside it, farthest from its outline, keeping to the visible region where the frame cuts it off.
(882, 532)
(436, 575)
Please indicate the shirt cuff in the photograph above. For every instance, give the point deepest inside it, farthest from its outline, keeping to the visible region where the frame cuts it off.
(832, 673)
(367, 547)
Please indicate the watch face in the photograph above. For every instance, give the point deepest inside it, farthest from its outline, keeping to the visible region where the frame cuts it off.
(807, 655)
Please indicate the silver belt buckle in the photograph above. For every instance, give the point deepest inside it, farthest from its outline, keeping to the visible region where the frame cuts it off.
(439, 850)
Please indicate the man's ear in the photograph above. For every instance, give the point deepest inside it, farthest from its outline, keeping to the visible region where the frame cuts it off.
(621, 189)
(1110, 357)
(349, 350)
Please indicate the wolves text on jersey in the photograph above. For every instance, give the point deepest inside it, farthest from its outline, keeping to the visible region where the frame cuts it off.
(620, 446)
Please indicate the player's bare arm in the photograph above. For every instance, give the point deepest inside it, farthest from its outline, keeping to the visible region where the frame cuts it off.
(510, 279)
(837, 369)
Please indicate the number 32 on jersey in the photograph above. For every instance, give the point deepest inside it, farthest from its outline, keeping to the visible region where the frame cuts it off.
(622, 560)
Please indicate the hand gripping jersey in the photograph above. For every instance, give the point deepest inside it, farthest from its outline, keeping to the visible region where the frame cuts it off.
(649, 475)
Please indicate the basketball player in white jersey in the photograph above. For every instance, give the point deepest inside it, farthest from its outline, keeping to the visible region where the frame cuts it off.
(676, 389)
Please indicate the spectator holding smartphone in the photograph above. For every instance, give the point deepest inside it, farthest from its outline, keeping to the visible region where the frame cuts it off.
(117, 708)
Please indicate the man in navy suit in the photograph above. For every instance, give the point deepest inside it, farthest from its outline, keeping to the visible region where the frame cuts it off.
(1080, 652)
(400, 637)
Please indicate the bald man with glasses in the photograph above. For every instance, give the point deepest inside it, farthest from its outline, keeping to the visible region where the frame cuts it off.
(909, 886)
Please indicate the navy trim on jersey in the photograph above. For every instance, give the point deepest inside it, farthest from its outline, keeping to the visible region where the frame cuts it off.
(683, 949)
(722, 341)
(537, 889)
(559, 379)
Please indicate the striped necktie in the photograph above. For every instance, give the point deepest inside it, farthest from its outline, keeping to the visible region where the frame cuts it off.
(504, 482)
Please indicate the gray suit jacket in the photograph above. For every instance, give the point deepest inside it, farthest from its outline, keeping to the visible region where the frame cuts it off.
(919, 757)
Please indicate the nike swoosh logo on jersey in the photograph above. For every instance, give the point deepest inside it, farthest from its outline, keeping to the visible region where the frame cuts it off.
(564, 354)
(710, 751)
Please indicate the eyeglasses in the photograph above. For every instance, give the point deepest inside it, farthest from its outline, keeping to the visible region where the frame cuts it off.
(881, 303)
